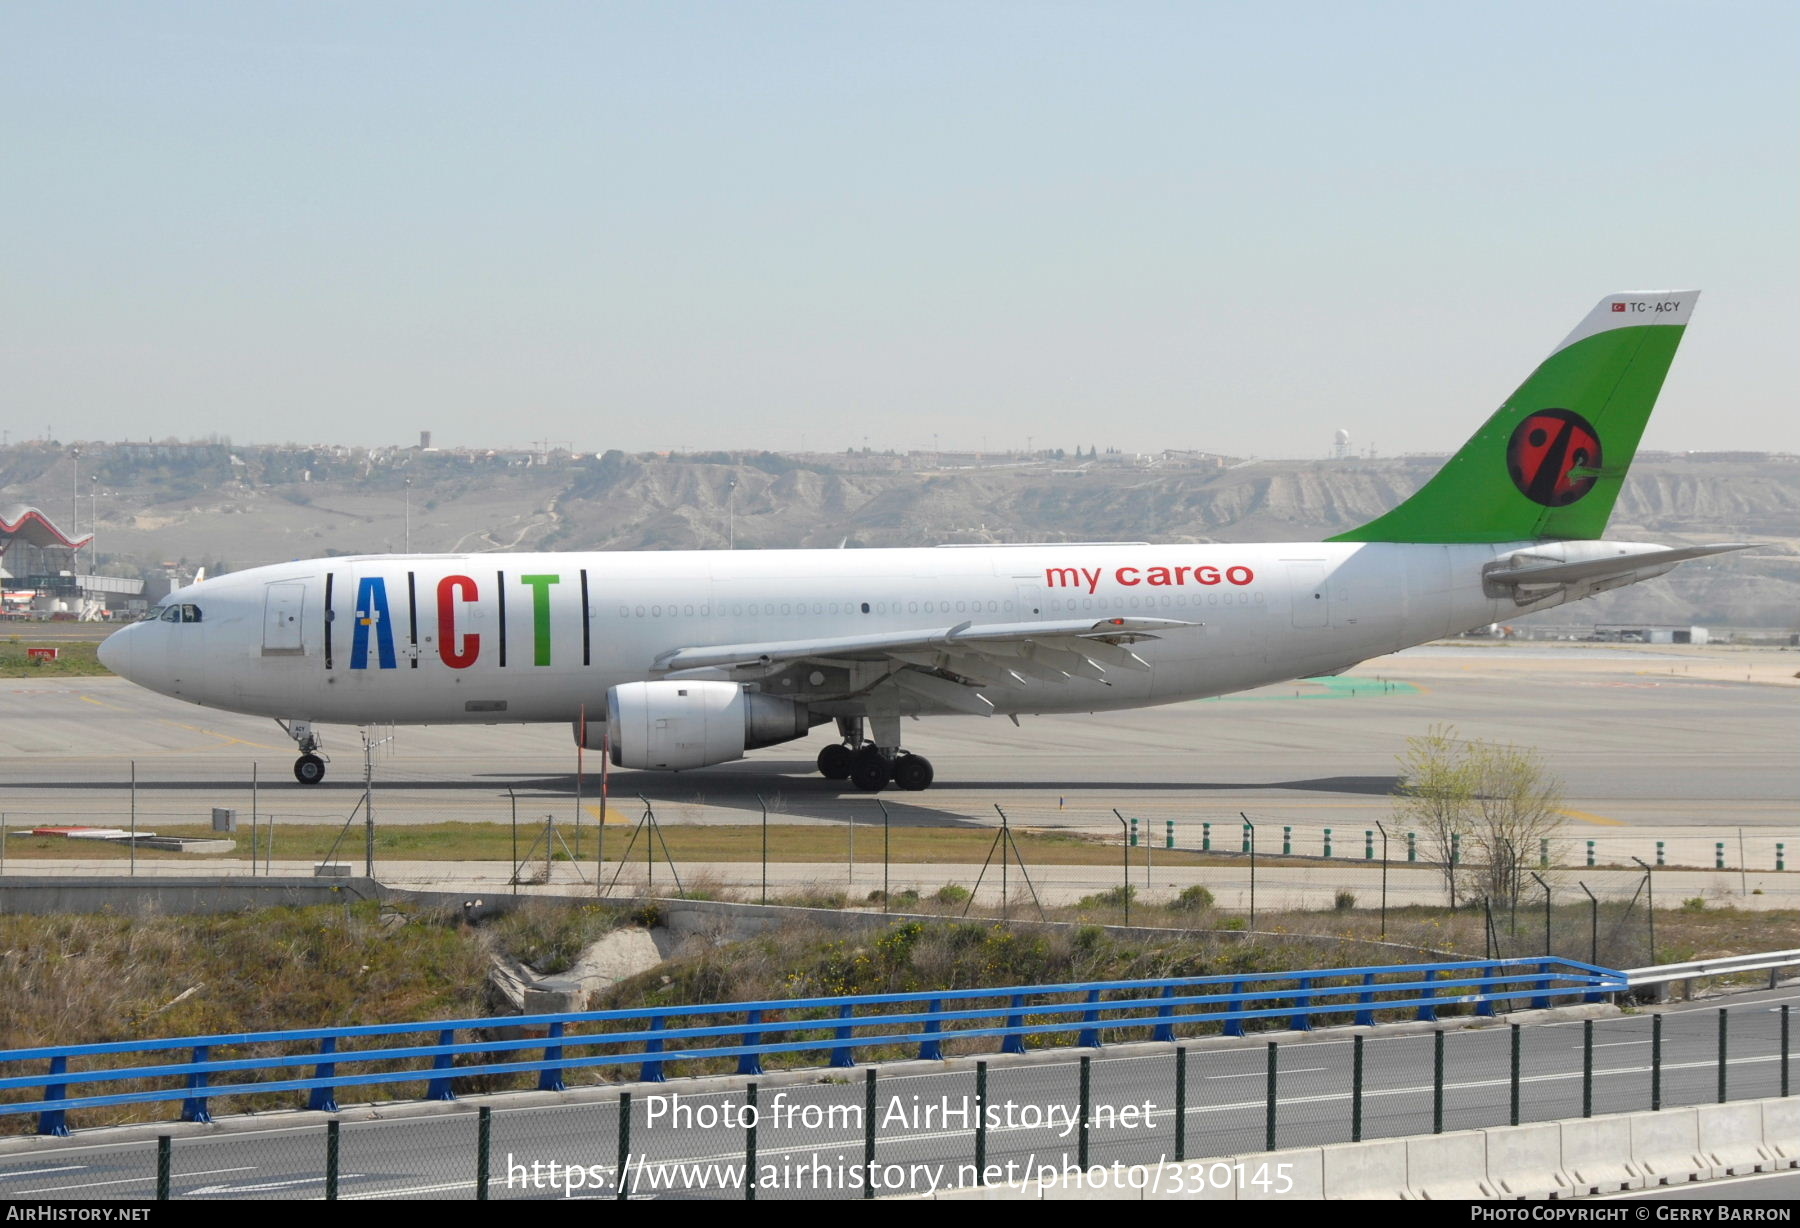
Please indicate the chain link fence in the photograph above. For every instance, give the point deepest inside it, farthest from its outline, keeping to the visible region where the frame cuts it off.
(856, 1134)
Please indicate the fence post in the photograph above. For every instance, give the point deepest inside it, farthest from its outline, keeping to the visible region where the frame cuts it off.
(439, 1088)
(1269, 1102)
(484, 1150)
(1181, 1094)
(1541, 999)
(1428, 1008)
(1722, 1066)
(1090, 1018)
(1087, 1104)
(652, 1072)
(1365, 1003)
(1356, 1089)
(1587, 1067)
(1656, 1062)
(1437, 1081)
(624, 1162)
(869, 1133)
(550, 1079)
(1165, 1031)
(749, 1142)
(331, 1160)
(980, 1123)
(930, 1048)
(1513, 1094)
(844, 1054)
(1015, 1041)
(324, 1099)
(1235, 1027)
(164, 1165)
(750, 1063)
(55, 1122)
(1784, 1049)
(194, 1107)
(1301, 1020)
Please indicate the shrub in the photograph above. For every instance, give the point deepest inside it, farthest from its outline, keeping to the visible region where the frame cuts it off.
(950, 893)
(1113, 897)
(1344, 901)
(1192, 899)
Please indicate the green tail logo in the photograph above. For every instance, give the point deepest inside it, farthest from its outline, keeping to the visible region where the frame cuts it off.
(1551, 461)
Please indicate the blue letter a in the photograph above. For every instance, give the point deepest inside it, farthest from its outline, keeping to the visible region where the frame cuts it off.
(372, 611)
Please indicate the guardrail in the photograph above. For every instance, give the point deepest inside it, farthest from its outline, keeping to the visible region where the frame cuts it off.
(1756, 962)
(643, 1037)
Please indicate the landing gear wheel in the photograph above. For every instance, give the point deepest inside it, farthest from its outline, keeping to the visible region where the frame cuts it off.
(836, 762)
(913, 772)
(309, 769)
(871, 773)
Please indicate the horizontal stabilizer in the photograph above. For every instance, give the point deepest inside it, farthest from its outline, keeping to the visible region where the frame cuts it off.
(1617, 565)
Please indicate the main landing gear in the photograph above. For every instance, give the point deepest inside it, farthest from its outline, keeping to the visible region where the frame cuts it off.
(309, 768)
(872, 768)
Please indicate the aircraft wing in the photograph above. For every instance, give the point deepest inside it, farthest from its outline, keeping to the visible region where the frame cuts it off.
(949, 665)
(1617, 565)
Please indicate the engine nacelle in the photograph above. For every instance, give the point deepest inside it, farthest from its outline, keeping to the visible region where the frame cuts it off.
(673, 725)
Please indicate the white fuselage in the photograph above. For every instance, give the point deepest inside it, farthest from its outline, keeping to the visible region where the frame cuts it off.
(541, 637)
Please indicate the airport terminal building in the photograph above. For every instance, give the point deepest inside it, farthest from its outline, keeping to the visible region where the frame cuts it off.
(42, 576)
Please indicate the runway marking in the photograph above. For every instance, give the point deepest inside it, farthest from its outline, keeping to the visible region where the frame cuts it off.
(40, 1172)
(1254, 1074)
(53, 1189)
(226, 738)
(612, 814)
(89, 699)
(1585, 817)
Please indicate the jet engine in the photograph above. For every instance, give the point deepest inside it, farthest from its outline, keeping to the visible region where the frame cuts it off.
(675, 725)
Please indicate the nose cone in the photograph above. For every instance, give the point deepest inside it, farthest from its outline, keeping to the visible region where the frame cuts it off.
(115, 652)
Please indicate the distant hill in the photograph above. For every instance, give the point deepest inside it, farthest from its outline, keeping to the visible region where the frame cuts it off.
(238, 507)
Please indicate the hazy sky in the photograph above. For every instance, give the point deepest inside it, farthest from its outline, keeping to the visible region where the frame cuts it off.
(650, 225)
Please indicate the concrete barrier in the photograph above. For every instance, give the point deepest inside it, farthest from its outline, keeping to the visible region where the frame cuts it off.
(1192, 1180)
(1666, 1146)
(1544, 1159)
(1446, 1166)
(1596, 1156)
(1731, 1138)
(1781, 1133)
(1373, 1170)
(1298, 1172)
(1524, 1162)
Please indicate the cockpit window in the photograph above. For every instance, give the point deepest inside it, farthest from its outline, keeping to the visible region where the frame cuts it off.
(171, 614)
(152, 614)
(187, 613)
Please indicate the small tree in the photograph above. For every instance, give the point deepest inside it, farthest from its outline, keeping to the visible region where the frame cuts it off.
(1483, 809)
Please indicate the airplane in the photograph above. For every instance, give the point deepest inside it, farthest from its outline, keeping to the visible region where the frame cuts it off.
(682, 659)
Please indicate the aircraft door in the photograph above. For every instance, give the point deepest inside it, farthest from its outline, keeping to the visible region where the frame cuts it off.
(283, 611)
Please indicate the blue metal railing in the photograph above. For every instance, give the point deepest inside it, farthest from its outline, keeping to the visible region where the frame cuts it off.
(748, 1031)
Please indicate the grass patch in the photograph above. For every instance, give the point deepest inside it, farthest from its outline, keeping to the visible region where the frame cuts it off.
(74, 658)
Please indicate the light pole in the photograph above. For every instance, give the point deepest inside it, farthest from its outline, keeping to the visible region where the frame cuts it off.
(1251, 828)
(1593, 924)
(731, 513)
(75, 493)
(408, 484)
(1546, 887)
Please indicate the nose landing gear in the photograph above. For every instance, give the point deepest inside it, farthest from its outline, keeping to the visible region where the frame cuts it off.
(309, 768)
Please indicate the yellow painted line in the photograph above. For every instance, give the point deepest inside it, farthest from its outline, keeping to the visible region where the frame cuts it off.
(89, 699)
(223, 737)
(612, 814)
(1601, 819)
